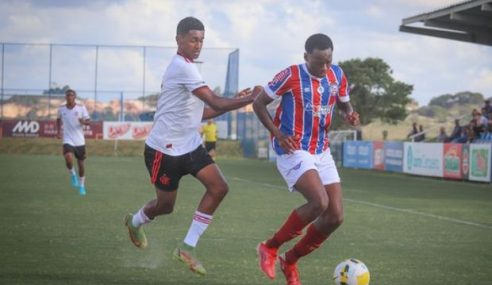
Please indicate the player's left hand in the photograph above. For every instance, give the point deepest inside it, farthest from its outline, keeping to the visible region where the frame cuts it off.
(353, 118)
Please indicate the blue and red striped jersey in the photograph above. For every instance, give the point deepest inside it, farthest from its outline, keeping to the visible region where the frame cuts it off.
(307, 104)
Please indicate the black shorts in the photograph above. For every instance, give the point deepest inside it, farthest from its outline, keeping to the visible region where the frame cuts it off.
(78, 151)
(209, 146)
(166, 170)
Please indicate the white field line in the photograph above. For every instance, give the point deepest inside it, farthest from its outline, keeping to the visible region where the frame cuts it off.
(381, 206)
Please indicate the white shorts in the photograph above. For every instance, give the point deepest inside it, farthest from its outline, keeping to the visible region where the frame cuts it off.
(292, 166)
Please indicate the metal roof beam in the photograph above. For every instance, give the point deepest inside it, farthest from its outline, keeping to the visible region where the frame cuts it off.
(475, 20)
(437, 33)
(486, 7)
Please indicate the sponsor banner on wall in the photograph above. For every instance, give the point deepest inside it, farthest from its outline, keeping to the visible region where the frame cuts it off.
(480, 162)
(393, 156)
(46, 129)
(378, 154)
(452, 160)
(423, 159)
(358, 154)
(126, 130)
(465, 160)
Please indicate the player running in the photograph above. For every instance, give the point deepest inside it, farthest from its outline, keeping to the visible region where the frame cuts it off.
(73, 117)
(299, 134)
(174, 147)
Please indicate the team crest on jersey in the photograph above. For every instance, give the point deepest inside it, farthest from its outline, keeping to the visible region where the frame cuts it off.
(280, 77)
(333, 89)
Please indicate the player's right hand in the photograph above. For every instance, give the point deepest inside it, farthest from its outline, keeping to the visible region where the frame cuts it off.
(244, 93)
(287, 143)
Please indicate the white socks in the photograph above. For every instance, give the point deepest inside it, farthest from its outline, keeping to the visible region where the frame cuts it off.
(140, 218)
(82, 180)
(72, 171)
(198, 226)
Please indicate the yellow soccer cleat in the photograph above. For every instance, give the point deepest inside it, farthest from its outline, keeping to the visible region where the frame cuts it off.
(186, 255)
(137, 235)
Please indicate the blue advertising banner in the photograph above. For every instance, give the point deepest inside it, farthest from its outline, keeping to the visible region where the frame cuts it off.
(358, 154)
(349, 154)
(393, 156)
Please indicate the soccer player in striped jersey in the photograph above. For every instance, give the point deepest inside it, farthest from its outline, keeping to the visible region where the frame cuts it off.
(299, 133)
(174, 147)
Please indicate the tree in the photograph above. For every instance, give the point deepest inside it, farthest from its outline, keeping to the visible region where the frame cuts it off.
(374, 93)
(56, 90)
(460, 98)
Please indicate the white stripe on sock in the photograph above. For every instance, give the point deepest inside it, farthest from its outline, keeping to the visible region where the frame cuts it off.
(197, 228)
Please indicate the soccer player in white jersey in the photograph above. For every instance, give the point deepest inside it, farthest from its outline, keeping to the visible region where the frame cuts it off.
(174, 147)
(72, 117)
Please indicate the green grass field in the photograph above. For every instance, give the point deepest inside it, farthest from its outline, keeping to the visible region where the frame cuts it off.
(408, 230)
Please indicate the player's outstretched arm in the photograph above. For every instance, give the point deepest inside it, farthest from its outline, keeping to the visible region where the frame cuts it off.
(241, 99)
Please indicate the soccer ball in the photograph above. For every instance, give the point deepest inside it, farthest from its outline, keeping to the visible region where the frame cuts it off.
(351, 272)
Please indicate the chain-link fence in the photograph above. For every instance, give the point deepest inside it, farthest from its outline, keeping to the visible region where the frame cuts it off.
(114, 82)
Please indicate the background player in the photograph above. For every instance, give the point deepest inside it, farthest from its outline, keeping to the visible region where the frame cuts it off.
(299, 134)
(209, 130)
(72, 117)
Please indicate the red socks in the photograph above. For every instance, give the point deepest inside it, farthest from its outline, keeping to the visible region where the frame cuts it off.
(311, 241)
(289, 230)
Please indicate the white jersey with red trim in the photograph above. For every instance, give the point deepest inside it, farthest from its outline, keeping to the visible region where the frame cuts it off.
(73, 130)
(179, 112)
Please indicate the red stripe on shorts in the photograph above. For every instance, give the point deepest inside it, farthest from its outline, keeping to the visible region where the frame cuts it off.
(155, 166)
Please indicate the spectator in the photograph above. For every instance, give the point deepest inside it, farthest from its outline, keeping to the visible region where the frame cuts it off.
(487, 110)
(442, 137)
(420, 134)
(464, 136)
(413, 132)
(457, 130)
(482, 124)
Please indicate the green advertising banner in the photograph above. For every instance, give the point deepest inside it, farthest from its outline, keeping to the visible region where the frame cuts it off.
(480, 162)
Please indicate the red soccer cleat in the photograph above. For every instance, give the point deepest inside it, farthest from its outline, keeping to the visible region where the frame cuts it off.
(266, 259)
(290, 271)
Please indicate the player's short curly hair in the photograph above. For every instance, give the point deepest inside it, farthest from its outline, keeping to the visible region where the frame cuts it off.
(70, 91)
(318, 41)
(187, 24)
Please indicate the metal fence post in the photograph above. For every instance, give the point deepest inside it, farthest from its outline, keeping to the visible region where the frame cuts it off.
(49, 79)
(3, 60)
(95, 81)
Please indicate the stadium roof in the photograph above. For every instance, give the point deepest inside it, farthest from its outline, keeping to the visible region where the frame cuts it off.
(469, 21)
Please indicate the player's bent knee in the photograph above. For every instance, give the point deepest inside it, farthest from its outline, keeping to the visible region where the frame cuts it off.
(219, 191)
(318, 206)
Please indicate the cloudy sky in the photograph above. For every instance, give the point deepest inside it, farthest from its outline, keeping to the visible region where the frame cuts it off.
(270, 35)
